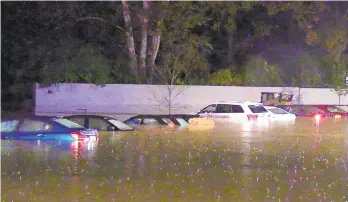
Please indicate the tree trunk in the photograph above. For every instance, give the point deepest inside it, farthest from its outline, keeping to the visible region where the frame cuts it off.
(155, 43)
(230, 48)
(170, 102)
(143, 47)
(170, 90)
(339, 99)
(130, 40)
(156, 39)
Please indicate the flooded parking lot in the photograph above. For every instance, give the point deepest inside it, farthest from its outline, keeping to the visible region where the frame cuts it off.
(305, 160)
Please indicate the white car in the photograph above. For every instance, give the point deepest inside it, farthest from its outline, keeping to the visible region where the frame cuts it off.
(235, 110)
(280, 114)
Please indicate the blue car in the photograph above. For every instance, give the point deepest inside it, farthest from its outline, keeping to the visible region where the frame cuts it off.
(44, 128)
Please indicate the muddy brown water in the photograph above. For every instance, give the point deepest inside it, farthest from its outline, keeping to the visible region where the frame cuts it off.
(293, 161)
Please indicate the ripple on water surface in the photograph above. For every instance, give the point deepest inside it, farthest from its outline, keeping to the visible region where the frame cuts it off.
(299, 161)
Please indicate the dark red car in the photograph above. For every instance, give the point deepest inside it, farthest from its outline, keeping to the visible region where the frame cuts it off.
(337, 111)
(306, 110)
(315, 110)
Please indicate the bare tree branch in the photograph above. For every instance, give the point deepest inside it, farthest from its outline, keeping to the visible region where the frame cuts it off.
(180, 92)
(91, 18)
(169, 72)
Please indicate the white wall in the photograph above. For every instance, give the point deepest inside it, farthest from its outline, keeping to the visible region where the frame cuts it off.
(124, 100)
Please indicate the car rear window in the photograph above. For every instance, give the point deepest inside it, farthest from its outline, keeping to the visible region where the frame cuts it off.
(120, 125)
(182, 122)
(277, 111)
(257, 109)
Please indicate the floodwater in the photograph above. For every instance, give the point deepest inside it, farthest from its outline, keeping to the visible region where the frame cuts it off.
(294, 161)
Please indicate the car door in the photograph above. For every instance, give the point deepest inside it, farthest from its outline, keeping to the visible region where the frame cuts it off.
(223, 111)
(259, 110)
(238, 113)
(311, 111)
(31, 129)
(98, 123)
(208, 111)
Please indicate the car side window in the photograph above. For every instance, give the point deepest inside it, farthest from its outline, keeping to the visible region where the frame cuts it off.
(9, 126)
(224, 109)
(237, 109)
(29, 125)
(78, 120)
(209, 109)
(98, 123)
(133, 121)
(286, 108)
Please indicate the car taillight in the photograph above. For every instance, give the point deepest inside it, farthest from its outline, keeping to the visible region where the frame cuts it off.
(252, 116)
(317, 117)
(337, 116)
(78, 135)
(95, 132)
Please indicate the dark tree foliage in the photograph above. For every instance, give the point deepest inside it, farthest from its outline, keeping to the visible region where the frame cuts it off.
(212, 43)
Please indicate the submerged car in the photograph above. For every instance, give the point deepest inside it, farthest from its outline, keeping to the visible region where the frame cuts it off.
(306, 111)
(100, 123)
(44, 128)
(171, 120)
(235, 110)
(335, 110)
(279, 114)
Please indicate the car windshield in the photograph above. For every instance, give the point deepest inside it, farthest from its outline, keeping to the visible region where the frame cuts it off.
(335, 109)
(68, 123)
(257, 109)
(120, 125)
(277, 111)
(344, 108)
(9, 126)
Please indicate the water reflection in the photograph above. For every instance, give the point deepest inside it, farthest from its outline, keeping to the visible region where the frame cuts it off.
(304, 160)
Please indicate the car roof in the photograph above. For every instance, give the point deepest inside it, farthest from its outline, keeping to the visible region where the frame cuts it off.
(238, 102)
(160, 117)
(90, 115)
(323, 105)
(164, 116)
(274, 107)
(271, 107)
(30, 117)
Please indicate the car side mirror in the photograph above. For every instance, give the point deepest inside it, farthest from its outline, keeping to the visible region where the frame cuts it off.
(111, 128)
